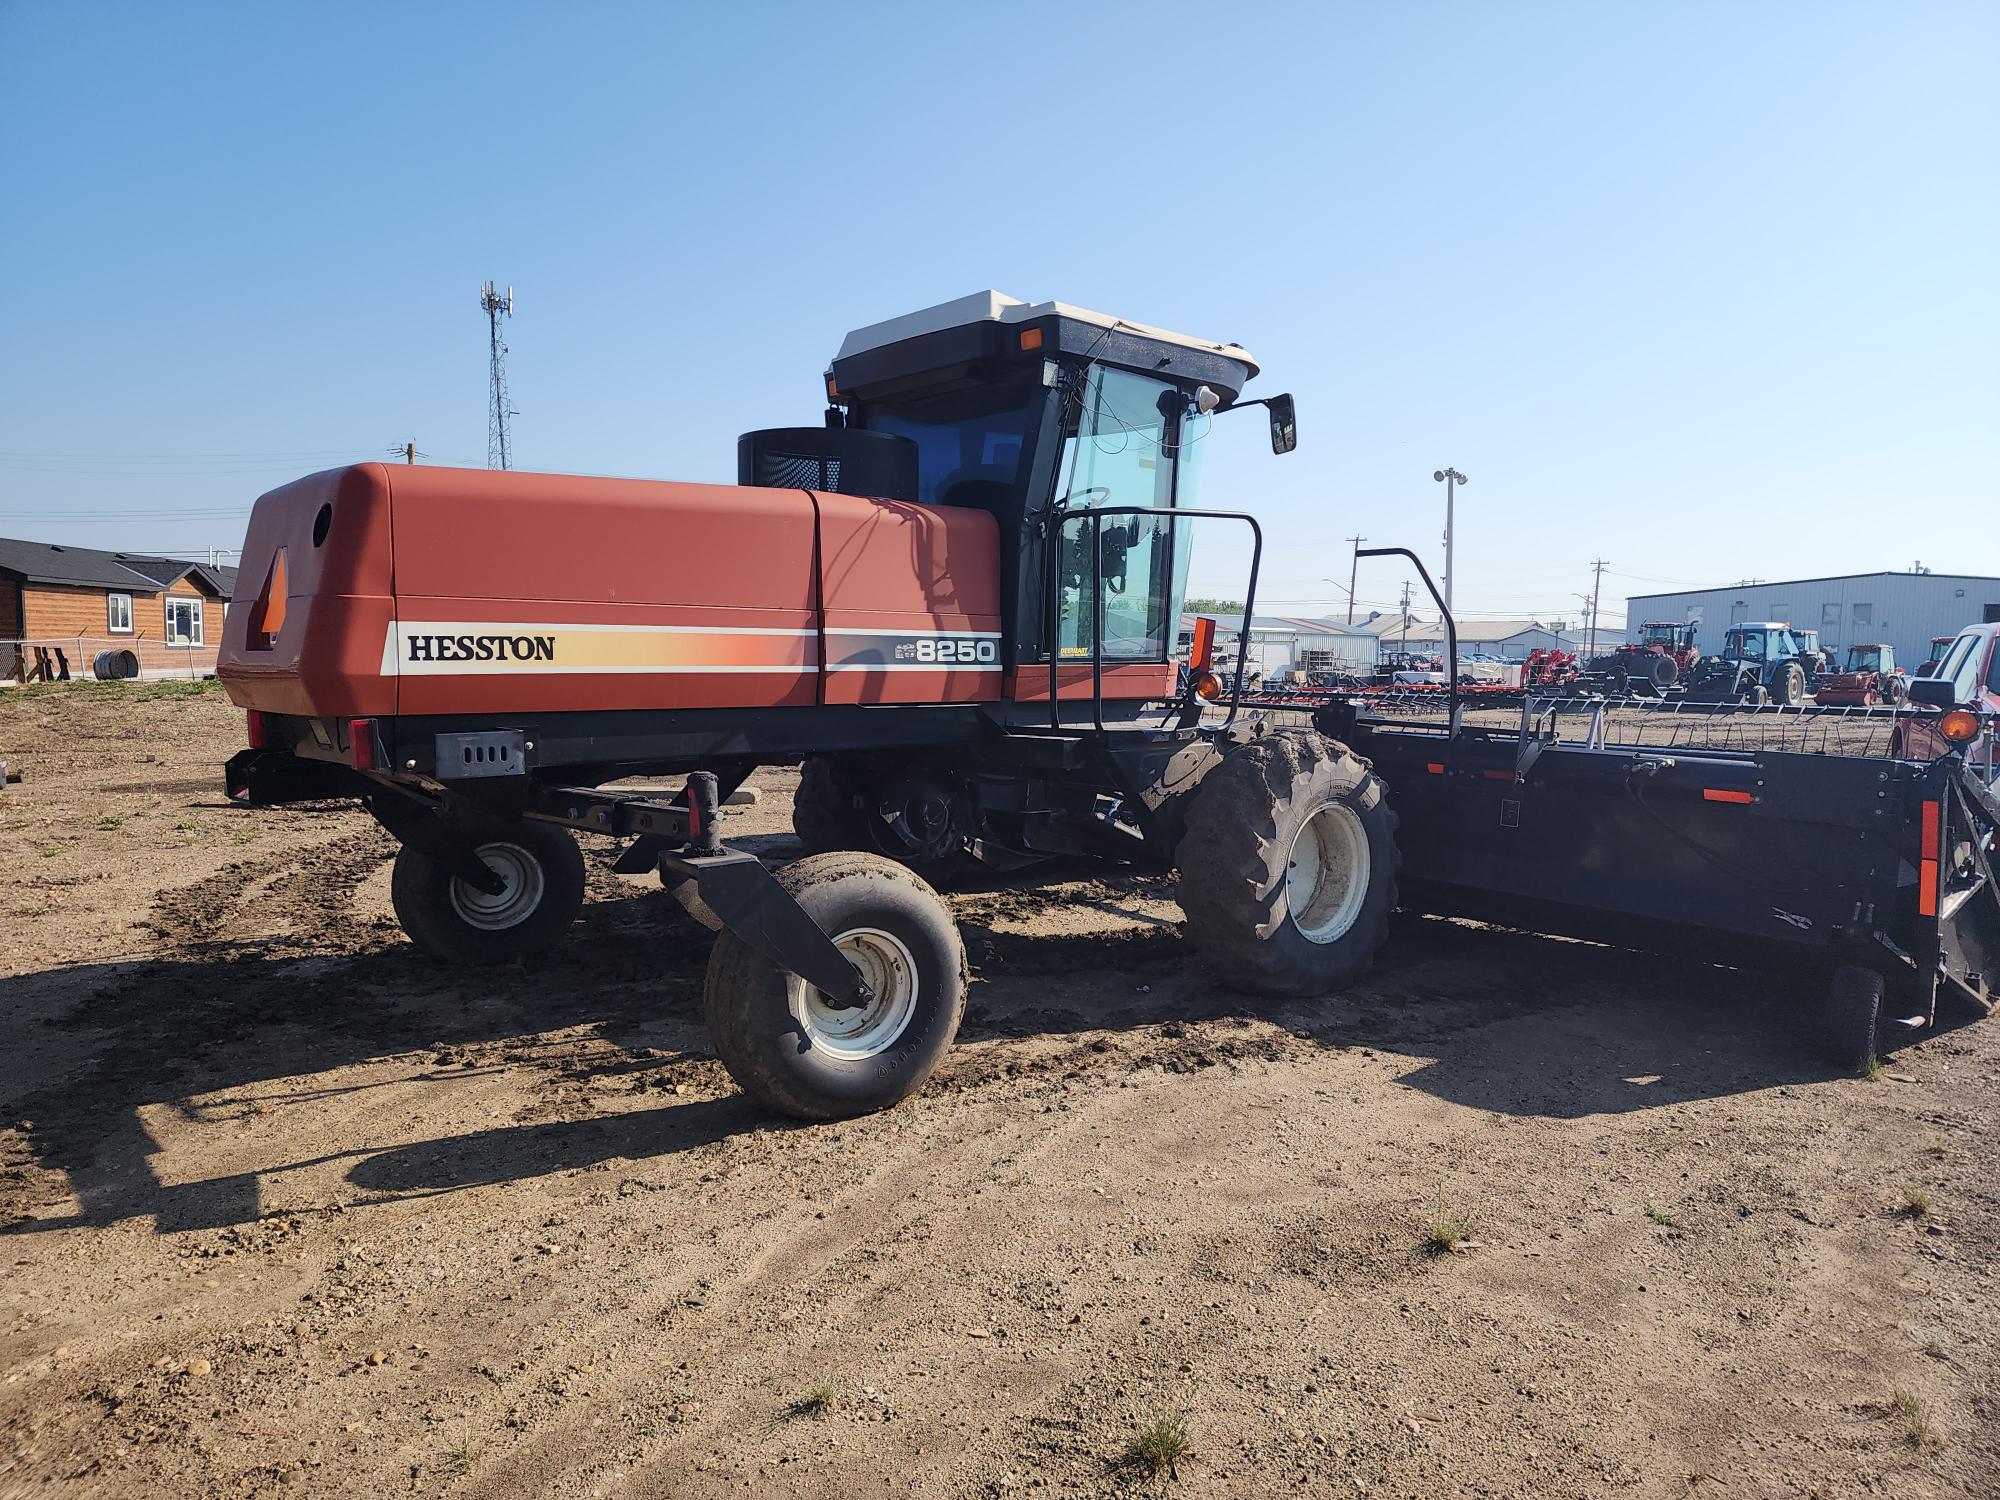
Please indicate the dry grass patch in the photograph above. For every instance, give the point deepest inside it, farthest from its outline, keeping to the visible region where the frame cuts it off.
(1913, 1414)
(1159, 1445)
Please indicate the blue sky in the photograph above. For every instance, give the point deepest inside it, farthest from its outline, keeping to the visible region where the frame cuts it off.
(1706, 290)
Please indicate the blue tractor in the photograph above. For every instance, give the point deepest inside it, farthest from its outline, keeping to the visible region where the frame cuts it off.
(1760, 662)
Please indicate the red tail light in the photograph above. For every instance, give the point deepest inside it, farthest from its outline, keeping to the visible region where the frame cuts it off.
(253, 725)
(361, 744)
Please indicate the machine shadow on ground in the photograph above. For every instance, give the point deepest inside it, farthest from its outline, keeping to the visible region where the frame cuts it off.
(1505, 1021)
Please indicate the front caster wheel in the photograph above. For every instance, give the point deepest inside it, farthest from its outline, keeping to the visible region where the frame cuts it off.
(789, 1047)
(457, 922)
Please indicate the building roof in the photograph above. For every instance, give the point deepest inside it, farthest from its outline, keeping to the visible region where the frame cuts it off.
(1317, 625)
(87, 567)
(1786, 583)
(1259, 624)
(1468, 630)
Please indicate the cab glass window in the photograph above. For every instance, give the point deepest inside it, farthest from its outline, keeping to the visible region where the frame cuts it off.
(968, 442)
(1120, 446)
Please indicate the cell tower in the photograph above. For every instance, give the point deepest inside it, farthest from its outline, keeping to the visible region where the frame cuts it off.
(499, 409)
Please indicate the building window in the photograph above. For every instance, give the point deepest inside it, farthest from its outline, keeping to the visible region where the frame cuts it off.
(1864, 614)
(118, 611)
(184, 622)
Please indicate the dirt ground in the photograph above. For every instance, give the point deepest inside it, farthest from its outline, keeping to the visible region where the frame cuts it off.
(286, 1208)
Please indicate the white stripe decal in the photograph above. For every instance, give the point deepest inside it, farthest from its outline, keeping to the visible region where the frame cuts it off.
(913, 666)
(898, 630)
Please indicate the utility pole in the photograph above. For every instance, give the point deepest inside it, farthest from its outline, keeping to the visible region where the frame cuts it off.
(409, 453)
(1353, 574)
(1451, 479)
(1403, 641)
(1596, 593)
(498, 409)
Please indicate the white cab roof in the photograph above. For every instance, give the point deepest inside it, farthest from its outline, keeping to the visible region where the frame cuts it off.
(998, 307)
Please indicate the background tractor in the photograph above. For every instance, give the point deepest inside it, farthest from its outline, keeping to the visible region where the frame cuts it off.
(1815, 658)
(1940, 644)
(1870, 677)
(1759, 662)
(1659, 660)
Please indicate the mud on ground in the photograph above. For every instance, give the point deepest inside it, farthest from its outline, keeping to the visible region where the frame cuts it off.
(289, 1209)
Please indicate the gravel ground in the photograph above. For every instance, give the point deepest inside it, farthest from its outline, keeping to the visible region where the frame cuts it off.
(289, 1209)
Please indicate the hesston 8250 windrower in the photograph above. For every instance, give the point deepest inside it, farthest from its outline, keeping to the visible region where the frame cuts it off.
(954, 603)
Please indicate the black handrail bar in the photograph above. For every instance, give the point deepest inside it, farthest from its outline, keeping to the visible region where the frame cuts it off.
(1450, 626)
(1060, 519)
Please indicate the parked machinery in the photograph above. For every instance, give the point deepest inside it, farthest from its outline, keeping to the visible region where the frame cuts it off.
(1660, 660)
(1760, 662)
(1551, 669)
(1939, 645)
(1870, 677)
(954, 603)
(1815, 658)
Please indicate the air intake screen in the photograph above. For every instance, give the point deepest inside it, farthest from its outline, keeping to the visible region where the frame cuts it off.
(836, 460)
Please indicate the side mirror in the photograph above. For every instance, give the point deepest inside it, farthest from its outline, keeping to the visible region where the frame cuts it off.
(1284, 424)
(1933, 692)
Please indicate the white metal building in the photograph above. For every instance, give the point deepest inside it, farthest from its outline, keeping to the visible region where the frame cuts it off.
(1856, 609)
(1272, 641)
(1511, 640)
(1328, 643)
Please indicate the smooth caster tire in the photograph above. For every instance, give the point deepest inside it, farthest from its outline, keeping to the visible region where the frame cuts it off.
(788, 1048)
(1852, 1020)
(460, 924)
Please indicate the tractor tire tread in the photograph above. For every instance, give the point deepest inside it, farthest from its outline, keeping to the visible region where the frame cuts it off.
(1852, 1019)
(1231, 888)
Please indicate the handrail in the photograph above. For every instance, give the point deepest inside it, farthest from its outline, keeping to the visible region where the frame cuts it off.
(1061, 518)
(1450, 626)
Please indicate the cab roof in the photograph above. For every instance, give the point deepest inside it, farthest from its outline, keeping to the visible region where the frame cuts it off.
(991, 326)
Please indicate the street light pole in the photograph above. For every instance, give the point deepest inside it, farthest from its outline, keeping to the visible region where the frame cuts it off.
(1451, 479)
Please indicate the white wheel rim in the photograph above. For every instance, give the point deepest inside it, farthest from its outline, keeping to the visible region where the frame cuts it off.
(495, 911)
(1326, 876)
(885, 962)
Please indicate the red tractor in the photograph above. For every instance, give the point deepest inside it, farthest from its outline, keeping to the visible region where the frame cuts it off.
(1660, 659)
(1871, 677)
(1939, 645)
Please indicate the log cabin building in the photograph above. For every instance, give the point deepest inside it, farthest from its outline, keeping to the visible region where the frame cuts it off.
(167, 611)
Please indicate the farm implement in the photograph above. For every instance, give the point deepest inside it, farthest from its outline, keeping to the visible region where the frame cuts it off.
(1785, 837)
(955, 606)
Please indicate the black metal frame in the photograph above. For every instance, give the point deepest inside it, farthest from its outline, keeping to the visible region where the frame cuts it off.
(1059, 520)
(1750, 852)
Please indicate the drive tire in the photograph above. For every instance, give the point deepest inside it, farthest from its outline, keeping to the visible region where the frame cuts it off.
(1852, 1017)
(825, 818)
(823, 812)
(1243, 866)
(452, 922)
(1788, 686)
(789, 1051)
